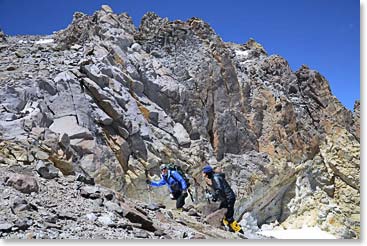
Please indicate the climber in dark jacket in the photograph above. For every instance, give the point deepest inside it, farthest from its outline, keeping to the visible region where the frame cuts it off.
(176, 185)
(222, 191)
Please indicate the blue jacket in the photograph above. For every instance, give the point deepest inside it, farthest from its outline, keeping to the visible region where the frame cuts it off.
(174, 181)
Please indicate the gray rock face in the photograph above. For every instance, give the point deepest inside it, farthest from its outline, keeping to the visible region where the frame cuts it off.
(108, 103)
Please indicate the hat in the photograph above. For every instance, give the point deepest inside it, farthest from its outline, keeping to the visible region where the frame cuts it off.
(207, 169)
(163, 166)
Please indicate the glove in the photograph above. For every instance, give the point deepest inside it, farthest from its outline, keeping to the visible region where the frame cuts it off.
(147, 181)
(215, 196)
(171, 196)
(184, 191)
(208, 195)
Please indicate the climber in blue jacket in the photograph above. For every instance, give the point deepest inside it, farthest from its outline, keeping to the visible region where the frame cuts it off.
(176, 185)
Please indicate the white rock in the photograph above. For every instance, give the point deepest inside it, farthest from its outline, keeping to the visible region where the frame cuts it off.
(180, 133)
(44, 41)
(69, 126)
(91, 216)
(136, 47)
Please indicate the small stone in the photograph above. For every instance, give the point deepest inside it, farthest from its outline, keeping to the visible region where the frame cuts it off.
(153, 118)
(136, 47)
(47, 171)
(19, 205)
(5, 227)
(85, 179)
(180, 221)
(109, 196)
(161, 205)
(153, 207)
(23, 224)
(52, 225)
(66, 216)
(105, 219)
(141, 234)
(19, 54)
(169, 213)
(51, 219)
(193, 212)
(159, 233)
(91, 192)
(324, 201)
(113, 207)
(123, 132)
(40, 155)
(47, 86)
(76, 47)
(91, 216)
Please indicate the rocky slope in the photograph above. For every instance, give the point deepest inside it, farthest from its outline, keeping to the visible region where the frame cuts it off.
(33, 207)
(104, 103)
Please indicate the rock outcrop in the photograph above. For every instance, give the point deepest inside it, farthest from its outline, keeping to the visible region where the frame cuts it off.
(103, 103)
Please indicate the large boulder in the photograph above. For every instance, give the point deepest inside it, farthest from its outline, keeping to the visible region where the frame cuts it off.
(22, 182)
(137, 217)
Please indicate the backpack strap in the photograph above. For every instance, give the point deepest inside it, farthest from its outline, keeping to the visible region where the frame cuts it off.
(170, 175)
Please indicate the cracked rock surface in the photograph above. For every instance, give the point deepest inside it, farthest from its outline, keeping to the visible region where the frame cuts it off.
(92, 110)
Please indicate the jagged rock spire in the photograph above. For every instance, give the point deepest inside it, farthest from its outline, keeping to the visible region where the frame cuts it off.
(103, 102)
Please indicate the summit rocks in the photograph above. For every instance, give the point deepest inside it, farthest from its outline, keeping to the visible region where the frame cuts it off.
(104, 102)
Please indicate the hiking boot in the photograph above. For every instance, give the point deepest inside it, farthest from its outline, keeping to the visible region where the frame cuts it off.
(235, 226)
(225, 222)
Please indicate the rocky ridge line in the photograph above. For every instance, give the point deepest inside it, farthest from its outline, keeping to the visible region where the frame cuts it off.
(104, 101)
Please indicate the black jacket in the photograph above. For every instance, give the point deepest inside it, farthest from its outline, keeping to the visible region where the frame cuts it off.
(221, 188)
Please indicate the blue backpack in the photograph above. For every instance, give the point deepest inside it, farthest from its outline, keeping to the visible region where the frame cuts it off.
(177, 168)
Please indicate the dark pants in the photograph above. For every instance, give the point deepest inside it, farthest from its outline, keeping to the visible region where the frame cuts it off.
(229, 205)
(180, 198)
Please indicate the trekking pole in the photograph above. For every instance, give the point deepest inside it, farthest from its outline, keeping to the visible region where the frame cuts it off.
(190, 194)
(149, 190)
(207, 195)
(149, 195)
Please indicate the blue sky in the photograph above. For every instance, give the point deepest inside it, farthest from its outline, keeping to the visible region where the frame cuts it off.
(324, 34)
